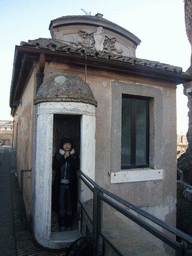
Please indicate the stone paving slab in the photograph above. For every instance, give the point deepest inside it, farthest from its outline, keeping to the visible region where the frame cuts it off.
(15, 236)
(7, 241)
(114, 227)
(26, 244)
(128, 241)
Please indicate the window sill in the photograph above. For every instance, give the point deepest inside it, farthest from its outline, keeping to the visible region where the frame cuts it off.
(137, 175)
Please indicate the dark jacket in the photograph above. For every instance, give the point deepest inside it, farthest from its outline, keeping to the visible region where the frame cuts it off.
(73, 165)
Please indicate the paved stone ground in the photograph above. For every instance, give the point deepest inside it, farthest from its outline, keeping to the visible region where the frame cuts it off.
(26, 244)
(15, 235)
(114, 228)
(7, 243)
(127, 240)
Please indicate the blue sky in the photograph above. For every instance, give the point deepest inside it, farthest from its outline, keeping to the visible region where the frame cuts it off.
(158, 23)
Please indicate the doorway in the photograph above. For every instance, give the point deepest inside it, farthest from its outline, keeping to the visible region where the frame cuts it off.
(65, 126)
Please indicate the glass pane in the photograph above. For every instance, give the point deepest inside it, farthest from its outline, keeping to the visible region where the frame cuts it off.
(141, 132)
(126, 133)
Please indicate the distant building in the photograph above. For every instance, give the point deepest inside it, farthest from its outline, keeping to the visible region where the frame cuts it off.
(6, 133)
(182, 145)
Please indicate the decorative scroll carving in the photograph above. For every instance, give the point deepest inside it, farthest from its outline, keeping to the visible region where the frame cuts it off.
(109, 45)
(87, 38)
(98, 41)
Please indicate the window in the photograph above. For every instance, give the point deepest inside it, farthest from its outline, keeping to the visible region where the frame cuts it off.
(135, 132)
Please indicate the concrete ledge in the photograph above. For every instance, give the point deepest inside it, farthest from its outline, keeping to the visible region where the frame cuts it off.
(136, 175)
(59, 240)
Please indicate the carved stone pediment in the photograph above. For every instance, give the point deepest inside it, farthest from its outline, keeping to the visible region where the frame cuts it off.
(94, 33)
(86, 40)
(97, 41)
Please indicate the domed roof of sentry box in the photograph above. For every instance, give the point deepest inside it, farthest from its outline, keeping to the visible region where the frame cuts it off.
(65, 88)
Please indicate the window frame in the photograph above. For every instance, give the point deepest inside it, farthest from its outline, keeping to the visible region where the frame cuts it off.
(133, 131)
(155, 170)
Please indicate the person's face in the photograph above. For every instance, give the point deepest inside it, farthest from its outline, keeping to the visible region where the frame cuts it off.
(67, 146)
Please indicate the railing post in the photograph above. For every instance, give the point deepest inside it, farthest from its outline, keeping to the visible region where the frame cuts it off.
(99, 227)
(181, 249)
(97, 222)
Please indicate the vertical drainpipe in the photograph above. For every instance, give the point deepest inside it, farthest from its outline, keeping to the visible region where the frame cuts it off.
(40, 73)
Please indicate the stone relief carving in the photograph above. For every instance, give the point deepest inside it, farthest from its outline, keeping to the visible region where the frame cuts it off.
(98, 41)
(87, 40)
(99, 38)
(109, 45)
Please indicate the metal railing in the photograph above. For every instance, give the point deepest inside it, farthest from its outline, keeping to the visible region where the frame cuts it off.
(101, 195)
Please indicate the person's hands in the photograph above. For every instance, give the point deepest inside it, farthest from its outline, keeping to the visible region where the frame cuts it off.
(67, 153)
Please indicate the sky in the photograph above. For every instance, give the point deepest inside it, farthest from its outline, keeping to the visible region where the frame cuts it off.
(159, 24)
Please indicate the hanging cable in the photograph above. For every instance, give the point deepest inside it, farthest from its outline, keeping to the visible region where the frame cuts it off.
(85, 54)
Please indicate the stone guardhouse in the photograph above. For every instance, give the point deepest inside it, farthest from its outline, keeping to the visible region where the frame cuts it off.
(86, 82)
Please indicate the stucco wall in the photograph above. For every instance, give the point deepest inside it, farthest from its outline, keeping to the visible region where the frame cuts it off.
(152, 194)
(23, 131)
(156, 196)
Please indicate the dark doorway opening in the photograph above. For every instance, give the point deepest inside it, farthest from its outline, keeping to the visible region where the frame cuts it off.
(65, 126)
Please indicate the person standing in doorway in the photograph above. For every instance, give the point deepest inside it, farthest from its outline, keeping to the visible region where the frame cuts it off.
(64, 188)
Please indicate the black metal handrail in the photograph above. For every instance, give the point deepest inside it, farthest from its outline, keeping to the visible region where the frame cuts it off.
(98, 197)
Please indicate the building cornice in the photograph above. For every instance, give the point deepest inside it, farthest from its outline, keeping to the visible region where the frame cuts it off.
(54, 50)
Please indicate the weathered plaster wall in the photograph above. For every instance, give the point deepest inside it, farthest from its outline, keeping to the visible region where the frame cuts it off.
(169, 153)
(153, 195)
(100, 83)
(23, 131)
